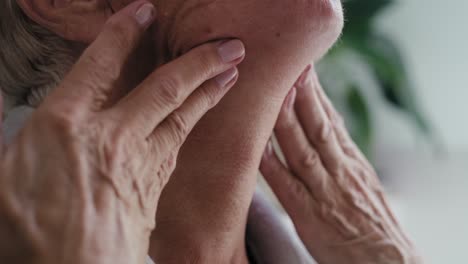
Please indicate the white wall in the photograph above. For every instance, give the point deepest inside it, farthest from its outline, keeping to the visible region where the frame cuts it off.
(430, 193)
(434, 36)
(429, 197)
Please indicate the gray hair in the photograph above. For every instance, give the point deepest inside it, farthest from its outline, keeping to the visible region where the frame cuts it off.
(33, 60)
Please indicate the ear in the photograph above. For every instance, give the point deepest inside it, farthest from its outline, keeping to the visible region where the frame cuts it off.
(74, 20)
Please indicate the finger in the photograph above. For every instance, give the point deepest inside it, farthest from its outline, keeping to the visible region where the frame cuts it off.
(344, 139)
(173, 131)
(169, 86)
(92, 80)
(334, 116)
(315, 122)
(302, 159)
(291, 192)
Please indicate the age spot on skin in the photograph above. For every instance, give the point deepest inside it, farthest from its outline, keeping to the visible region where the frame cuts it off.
(278, 34)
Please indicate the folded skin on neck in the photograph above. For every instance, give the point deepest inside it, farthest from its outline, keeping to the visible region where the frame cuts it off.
(209, 194)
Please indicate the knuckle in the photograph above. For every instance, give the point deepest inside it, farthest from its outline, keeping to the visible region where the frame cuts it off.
(338, 169)
(209, 97)
(297, 195)
(171, 162)
(166, 169)
(120, 30)
(179, 127)
(338, 119)
(324, 131)
(114, 148)
(170, 90)
(93, 58)
(111, 148)
(309, 159)
(286, 122)
(62, 120)
(120, 35)
(100, 69)
(298, 190)
(349, 148)
(206, 61)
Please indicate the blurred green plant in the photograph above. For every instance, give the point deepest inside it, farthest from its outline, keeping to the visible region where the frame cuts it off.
(364, 45)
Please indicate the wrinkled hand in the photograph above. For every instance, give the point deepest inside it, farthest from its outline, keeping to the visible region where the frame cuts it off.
(81, 181)
(327, 186)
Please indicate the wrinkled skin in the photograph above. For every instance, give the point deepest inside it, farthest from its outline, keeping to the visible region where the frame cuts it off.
(327, 186)
(210, 192)
(203, 211)
(78, 187)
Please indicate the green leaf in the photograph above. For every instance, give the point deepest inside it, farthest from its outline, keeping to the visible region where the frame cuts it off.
(359, 120)
(387, 63)
(364, 10)
(359, 15)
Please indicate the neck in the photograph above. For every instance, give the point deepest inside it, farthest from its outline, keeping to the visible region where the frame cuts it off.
(220, 159)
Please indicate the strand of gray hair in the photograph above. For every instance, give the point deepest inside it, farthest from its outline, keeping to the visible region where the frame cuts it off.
(33, 60)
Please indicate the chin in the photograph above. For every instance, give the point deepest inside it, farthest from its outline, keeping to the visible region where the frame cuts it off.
(281, 37)
(325, 25)
(269, 24)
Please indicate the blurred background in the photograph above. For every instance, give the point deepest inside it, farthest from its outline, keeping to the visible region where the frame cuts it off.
(403, 91)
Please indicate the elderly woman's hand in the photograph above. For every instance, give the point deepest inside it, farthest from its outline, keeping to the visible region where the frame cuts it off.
(81, 182)
(329, 189)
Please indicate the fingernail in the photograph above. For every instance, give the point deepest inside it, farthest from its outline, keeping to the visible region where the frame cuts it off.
(291, 99)
(231, 50)
(144, 14)
(226, 77)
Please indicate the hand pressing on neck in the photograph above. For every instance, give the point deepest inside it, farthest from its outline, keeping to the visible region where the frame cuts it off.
(204, 209)
(80, 182)
(281, 38)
